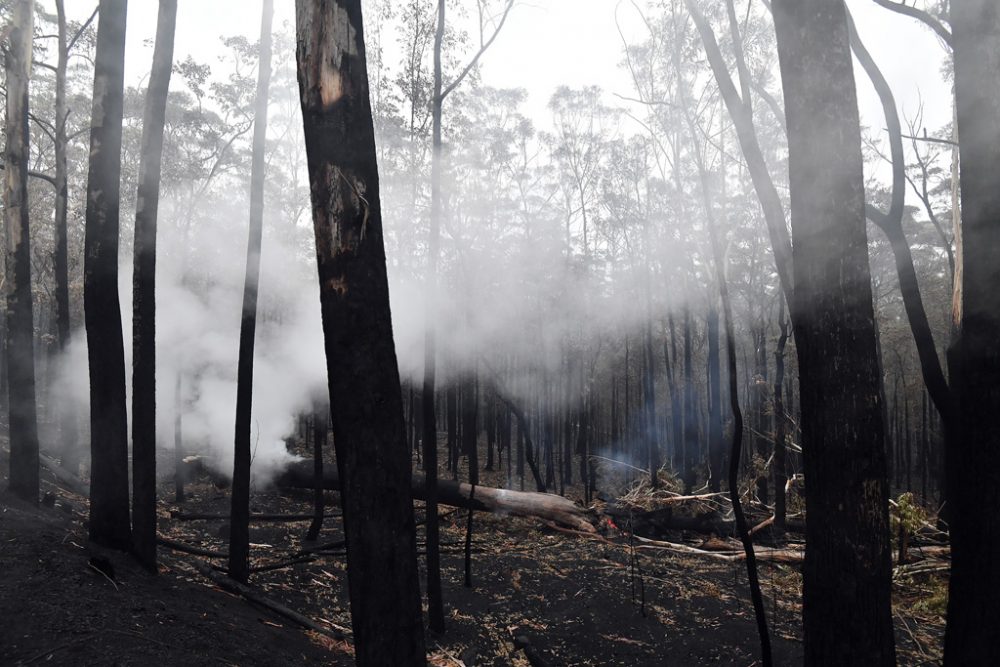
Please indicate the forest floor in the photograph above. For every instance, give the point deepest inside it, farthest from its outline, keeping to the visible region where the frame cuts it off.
(571, 600)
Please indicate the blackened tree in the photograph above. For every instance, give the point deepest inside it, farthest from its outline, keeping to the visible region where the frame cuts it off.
(144, 293)
(24, 481)
(366, 403)
(847, 616)
(973, 458)
(239, 535)
(109, 492)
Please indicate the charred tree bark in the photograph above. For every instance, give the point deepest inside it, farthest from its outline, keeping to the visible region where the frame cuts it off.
(365, 396)
(650, 431)
(144, 293)
(435, 604)
(974, 455)
(676, 416)
(320, 428)
(178, 440)
(760, 391)
(716, 443)
(60, 253)
(470, 408)
(239, 535)
(109, 487)
(847, 615)
(780, 465)
(451, 419)
(690, 447)
(24, 460)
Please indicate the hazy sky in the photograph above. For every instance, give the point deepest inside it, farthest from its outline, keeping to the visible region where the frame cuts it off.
(547, 43)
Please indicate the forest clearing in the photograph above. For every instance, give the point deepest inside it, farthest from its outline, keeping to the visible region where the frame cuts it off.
(540, 596)
(408, 332)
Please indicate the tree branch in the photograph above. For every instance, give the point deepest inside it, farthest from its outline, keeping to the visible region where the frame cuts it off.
(475, 59)
(922, 16)
(37, 174)
(69, 47)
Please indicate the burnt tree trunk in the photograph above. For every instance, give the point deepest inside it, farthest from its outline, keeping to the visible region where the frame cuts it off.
(178, 440)
(650, 431)
(779, 464)
(435, 603)
(760, 391)
(24, 460)
(973, 456)
(847, 615)
(716, 443)
(144, 293)
(109, 486)
(365, 396)
(319, 436)
(60, 251)
(239, 535)
(690, 415)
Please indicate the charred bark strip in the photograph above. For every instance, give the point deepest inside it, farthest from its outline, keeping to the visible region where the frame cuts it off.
(24, 476)
(109, 487)
(144, 294)
(239, 537)
(365, 396)
(847, 615)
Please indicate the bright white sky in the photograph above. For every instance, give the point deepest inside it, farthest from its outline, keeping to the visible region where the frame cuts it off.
(547, 43)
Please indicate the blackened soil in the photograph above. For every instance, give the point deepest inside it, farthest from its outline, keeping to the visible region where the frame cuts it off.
(560, 598)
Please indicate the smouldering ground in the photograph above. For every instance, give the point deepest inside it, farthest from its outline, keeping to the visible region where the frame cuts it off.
(575, 601)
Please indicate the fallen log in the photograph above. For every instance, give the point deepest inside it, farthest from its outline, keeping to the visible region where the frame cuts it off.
(252, 595)
(189, 549)
(486, 499)
(682, 516)
(65, 477)
(791, 556)
(179, 515)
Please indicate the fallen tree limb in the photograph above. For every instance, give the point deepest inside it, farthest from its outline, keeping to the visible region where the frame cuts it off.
(252, 595)
(180, 515)
(922, 567)
(487, 499)
(683, 516)
(762, 553)
(769, 521)
(578, 533)
(65, 477)
(188, 549)
(267, 567)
